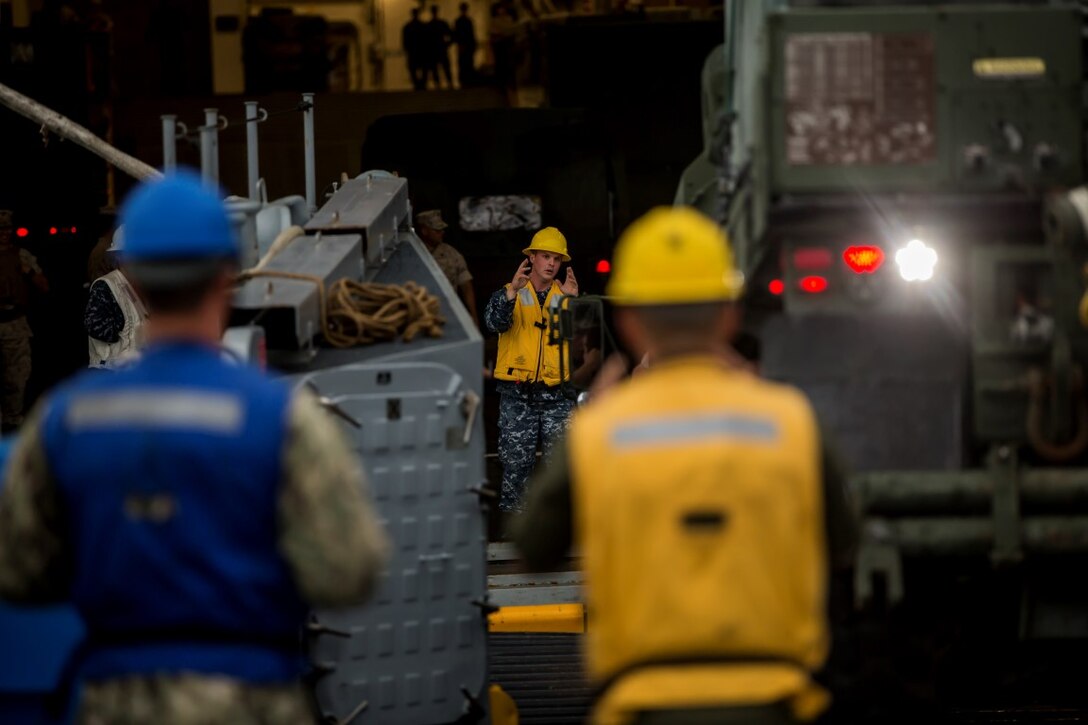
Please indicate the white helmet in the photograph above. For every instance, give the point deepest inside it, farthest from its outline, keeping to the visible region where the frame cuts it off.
(117, 241)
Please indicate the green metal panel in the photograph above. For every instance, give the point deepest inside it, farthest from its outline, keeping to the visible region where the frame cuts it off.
(1000, 362)
(916, 65)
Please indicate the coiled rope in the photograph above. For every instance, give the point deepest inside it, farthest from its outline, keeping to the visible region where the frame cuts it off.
(360, 313)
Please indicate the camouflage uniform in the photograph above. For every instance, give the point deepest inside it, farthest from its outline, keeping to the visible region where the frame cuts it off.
(528, 414)
(327, 533)
(432, 230)
(452, 263)
(191, 699)
(15, 361)
(15, 334)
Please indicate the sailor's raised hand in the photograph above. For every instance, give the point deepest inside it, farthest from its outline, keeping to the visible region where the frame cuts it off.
(521, 278)
(570, 284)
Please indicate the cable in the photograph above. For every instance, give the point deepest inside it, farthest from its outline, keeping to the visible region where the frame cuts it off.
(359, 313)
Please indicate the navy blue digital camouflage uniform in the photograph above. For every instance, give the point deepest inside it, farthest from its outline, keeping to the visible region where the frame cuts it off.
(528, 414)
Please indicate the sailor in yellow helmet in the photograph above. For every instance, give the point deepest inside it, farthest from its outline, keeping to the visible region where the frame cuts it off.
(703, 501)
(532, 408)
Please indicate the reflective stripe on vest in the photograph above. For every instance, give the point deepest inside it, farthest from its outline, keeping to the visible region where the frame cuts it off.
(170, 472)
(699, 513)
(524, 353)
(157, 408)
(106, 354)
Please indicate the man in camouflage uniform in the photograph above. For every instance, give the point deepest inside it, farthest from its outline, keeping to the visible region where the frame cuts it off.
(17, 268)
(191, 508)
(532, 405)
(432, 230)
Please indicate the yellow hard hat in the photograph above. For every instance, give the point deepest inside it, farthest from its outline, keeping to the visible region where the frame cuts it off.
(673, 256)
(549, 239)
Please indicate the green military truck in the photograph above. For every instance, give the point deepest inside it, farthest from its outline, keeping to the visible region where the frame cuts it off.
(902, 186)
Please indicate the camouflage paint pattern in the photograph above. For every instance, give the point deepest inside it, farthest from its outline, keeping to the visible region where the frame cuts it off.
(524, 421)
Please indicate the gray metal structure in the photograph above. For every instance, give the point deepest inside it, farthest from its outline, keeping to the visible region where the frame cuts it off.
(295, 303)
(417, 652)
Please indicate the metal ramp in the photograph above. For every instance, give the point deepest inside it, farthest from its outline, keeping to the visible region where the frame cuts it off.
(417, 653)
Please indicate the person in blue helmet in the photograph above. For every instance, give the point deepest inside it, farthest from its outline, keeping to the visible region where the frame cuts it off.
(191, 508)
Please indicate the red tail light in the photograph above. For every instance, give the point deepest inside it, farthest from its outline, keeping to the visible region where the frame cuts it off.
(776, 287)
(813, 284)
(864, 258)
(52, 230)
(812, 258)
(22, 232)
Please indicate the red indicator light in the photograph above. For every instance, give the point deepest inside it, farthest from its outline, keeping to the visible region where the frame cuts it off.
(52, 230)
(813, 284)
(72, 230)
(812, 258)
(776, 287)
(22, 232)
(864, 258)
(604, 267)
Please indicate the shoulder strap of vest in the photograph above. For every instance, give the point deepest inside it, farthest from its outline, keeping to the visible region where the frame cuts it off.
(118, 283)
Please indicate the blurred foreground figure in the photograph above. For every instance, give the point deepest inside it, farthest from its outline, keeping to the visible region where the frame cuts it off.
(697, 494)
(191, 508)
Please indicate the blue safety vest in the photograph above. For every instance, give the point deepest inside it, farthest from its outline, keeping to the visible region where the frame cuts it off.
(169, 473)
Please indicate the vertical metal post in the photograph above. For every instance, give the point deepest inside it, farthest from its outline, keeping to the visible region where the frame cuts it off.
(308, 132)
(169, 142)
(727, 115)
(252, 158)
(209, 147)
(1008, 541)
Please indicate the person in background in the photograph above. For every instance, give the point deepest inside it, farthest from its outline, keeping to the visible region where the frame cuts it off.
(432, 230)
(464, 34)
(503, 38)
(19, 270)
(413, 40)
(191, 508)
(532, 406)
(704, 503)
(115, 315)
(438, 48)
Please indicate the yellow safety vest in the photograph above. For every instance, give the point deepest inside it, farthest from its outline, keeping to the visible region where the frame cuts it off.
(524, 352)
(698, 507)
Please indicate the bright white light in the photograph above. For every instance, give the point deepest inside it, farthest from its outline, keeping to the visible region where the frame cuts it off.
(916, 261)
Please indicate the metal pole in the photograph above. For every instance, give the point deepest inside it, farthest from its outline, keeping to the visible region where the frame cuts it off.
(67, 129)
(965, 536)
(308, 132)
(169, 142)
(252, 157)
(209, 147)
(908, 493)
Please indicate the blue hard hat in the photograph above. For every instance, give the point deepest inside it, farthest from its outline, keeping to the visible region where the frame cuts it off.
(176, 217)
